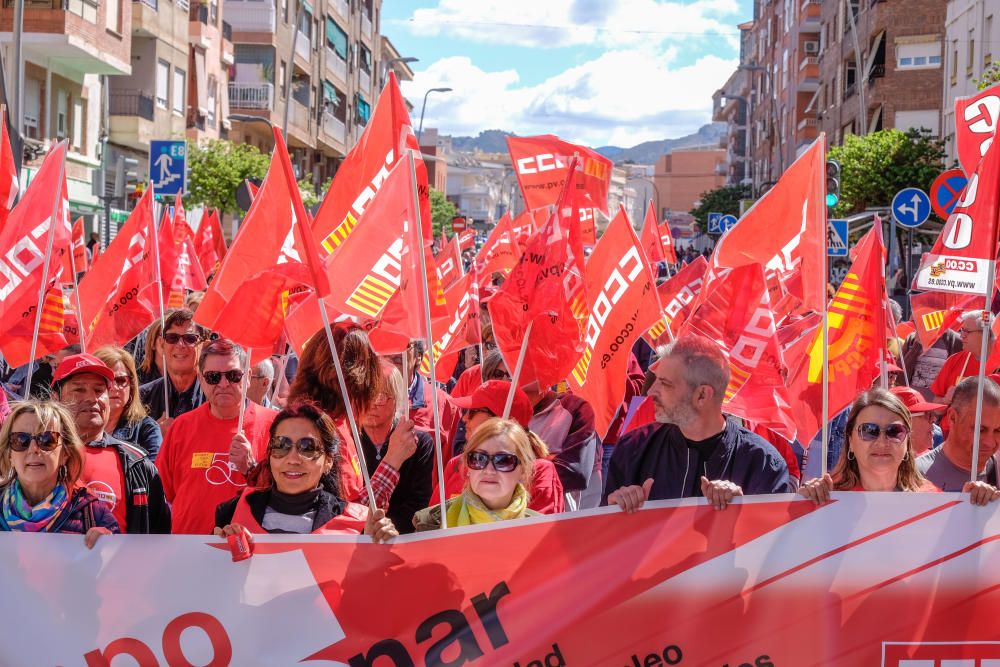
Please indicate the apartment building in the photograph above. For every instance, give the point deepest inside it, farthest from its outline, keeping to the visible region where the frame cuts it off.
(732, 104)
(328, 50)
(682, 176)
(971, 42)
(210, 55)
(68, 45)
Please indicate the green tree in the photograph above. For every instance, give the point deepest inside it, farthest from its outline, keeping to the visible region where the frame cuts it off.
(875, 167)
(724, 200)
(442, 211)
(991, 75)
(216, 169)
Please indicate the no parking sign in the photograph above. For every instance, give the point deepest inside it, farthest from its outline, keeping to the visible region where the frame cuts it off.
(946, 191)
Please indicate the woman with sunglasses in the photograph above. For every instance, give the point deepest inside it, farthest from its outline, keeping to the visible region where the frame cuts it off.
(128, 420)
(878, 455)
(298, 486)
(498, 463)
(41, 457)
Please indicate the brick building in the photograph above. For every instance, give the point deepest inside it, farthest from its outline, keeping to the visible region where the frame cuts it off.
(682, 176)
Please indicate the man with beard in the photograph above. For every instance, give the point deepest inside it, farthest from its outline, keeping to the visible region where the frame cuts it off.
(692, 450)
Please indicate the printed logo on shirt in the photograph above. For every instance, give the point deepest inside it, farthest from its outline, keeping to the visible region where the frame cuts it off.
(104, 493)
(222, 471)
(201, 459)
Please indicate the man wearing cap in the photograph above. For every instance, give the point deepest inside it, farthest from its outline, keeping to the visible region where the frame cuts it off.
(117, 472)
(949, 466)
(487, 401)
(924, 432)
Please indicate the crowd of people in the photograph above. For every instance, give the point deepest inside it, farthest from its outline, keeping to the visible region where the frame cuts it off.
(178, 433)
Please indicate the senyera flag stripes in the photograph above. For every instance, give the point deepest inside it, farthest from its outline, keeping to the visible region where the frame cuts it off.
(869, 579)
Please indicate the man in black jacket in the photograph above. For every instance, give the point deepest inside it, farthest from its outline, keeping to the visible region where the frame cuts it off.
(692, 450)
(115, 471)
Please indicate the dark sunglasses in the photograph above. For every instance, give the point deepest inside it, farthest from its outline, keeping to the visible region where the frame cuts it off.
(188, 338)
(870, 432)
(121, 381)
(19, 441)
(215, 377)
(280, 447)
(502, 461)
(472, 412)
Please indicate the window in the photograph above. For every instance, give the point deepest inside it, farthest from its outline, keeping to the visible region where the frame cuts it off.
(305, 24)
(179, 90)
(927, 118)
(954, 62)
(113, 16)
(970, 61)
(62, 113)
(282, 69)
(921, 55)
(365, 59)
(162, 83)
(850, 78)
(77, 138)
(284, 11)
(988, 31)
(213, 86)
(334, 102)
(364, 109)
(336, 38)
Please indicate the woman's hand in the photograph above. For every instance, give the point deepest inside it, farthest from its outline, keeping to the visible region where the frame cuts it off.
(90, 539)
(235, 529)
(402, 444)
(981, 493)
(818, 489)
(380, 527)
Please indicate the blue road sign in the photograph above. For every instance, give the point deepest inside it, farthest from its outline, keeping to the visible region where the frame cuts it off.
(713, 223)
(726, 222)
(836, 238)
(167, 167)
(911, 207)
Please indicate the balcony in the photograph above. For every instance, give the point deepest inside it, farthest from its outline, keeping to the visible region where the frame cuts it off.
(811, 16)
(334, 128)
(878, 72)
(808, 79)
(130, 103)
(364, 81)
(250, 15)
(366, 26)
(336, 64)
(251, 96)
(227, 54)
(342, 8)
(302, 46)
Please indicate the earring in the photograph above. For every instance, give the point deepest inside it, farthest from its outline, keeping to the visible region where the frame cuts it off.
(850, 455)
(63, 473)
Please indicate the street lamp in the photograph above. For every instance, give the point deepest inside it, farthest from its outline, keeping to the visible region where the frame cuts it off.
(246, 118)
(420, 128)
(392, 61)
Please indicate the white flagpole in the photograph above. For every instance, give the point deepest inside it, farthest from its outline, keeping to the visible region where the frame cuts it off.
(76, 295)
(986, 322)
(517, 370)
(53, 221)
(244, 382)
(163, 326)
(422, 263)
(279, 376)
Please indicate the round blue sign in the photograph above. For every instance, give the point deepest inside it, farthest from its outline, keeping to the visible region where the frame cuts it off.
(911, 207)
(727, 222)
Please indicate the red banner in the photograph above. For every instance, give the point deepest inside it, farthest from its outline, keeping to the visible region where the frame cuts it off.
(677, 296)
(976, 119)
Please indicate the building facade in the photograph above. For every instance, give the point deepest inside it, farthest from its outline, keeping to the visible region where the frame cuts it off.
(685, 174)
(733, 104)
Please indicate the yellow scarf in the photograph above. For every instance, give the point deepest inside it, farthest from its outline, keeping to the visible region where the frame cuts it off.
(468, 509)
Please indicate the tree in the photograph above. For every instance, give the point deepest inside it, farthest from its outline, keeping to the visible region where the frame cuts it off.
(217, 167)
(724, 200)
(442, 211)
(991, 75)
(875, 167)
(308, 193)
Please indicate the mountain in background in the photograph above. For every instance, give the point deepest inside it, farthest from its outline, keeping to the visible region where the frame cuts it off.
(495, 141)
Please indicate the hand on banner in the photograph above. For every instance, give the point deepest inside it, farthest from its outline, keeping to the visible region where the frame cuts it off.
(90, 539)
(817, 490)
(240, 456)
(719, 493)
(380, 527)
(981, 493)
(631, 498)
(402, 444)
(236, 531)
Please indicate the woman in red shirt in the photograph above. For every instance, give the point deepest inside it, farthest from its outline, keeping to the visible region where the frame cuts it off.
(878, 455)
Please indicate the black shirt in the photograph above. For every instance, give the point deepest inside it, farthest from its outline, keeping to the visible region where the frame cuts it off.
(703, 450)
(151, 395)
(413, 492)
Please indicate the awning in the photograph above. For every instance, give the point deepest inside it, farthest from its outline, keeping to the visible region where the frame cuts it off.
(336, 38)
(812, 101)
(224, 94)
(876, 117)
(200, 82)
(329, 92)
(876, 44)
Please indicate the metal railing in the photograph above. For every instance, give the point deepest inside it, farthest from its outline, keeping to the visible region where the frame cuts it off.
(250, 16)
(130, 103)
(251, 95)
(878, 71)
(334, 127)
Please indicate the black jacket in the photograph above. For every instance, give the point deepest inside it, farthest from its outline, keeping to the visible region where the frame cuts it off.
(146, 508)
(413, 492)
(327, 507)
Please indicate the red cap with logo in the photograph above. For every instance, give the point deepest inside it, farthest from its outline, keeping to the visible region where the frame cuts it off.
(915, 401)
(82, 363)
(492, 395)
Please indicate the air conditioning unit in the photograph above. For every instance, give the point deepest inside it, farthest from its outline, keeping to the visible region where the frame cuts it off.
(812, 48)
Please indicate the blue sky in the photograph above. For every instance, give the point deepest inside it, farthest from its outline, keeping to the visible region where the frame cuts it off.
(593, 71)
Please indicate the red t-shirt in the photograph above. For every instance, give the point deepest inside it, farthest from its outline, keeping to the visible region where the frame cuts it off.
(104, 477)
(546, 488)
(194, 463)
(352, 484)
(955, 368)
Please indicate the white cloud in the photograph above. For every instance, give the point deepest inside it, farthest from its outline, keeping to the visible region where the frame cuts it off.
(562, 23)
(623, 97)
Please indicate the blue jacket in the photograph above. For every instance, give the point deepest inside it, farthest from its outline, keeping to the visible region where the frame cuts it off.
(145, 434)
(660, 452)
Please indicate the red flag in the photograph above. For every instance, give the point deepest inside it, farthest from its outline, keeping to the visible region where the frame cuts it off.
(182, 230)
(9, 186)
(976, 120)
(667, 243)
(466, 240)
(118, 295)
(587, 219)
(546, 290)
(737, 315)
(677, 294)
(179, 267)
(456, 331)
(651, 242)
(937, 312)
(542, 163)
(79, 257)
(785, 230)
(209, 242)
(500, 253)
(960, 259)
(856, 322)
(387, 136)
(449, 263)
(621, 304)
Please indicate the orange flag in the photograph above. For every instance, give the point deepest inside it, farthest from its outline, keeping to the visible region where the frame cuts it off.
(456, 331)
(667, 243)
(500, 253)
(651, 241)
(209, 242)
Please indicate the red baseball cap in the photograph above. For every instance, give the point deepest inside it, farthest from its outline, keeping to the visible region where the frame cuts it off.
(82, 363)
(915, 401)
(492, 395)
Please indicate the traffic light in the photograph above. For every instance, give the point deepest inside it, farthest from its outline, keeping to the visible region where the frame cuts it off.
(832, 183)
(126, 176)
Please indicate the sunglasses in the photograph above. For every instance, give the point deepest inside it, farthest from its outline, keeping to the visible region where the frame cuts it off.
(19, 441)
(281, 446)
(893, 432)
(121, 381)
(502, 461)
(188, 338)
(215, 377)
(472, 412)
